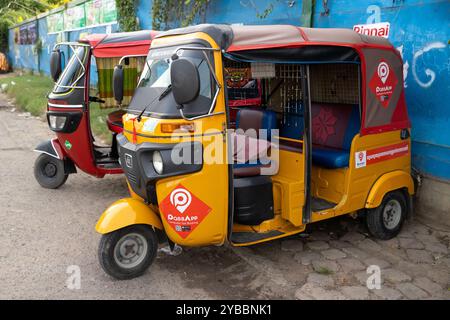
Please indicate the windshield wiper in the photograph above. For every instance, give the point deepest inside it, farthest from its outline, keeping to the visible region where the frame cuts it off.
(165, 92)
(161, 96)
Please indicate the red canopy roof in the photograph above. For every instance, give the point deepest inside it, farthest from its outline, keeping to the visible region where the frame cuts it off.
(120, 44)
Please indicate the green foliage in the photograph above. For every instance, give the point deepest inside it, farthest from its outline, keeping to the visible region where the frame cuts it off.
(126, 15)
(266, 12)
(30, 92)
(179, 12)
(16, 11)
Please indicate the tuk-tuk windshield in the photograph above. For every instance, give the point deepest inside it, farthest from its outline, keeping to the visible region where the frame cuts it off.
(155, 79)
(72, 71)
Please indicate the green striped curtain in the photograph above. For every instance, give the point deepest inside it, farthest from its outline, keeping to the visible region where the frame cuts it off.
(132, 71)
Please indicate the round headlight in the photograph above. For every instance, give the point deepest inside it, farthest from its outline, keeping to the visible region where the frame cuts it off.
(157, 162)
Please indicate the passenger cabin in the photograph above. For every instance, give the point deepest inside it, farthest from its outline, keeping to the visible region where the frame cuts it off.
(318, 89)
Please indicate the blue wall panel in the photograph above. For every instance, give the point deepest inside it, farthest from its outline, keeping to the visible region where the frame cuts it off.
(420, 30)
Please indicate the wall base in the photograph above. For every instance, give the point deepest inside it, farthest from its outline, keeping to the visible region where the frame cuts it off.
(432, 203)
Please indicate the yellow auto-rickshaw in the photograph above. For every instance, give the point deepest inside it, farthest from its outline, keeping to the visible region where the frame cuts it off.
(320, 130)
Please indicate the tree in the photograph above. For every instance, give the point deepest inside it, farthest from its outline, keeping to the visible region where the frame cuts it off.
(15, 11)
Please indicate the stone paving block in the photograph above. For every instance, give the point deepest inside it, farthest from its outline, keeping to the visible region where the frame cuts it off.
(436, 247)
(377, 262)
(291, 245)
(320, 236)
(391, 243)
(320, 293)
(394, 275)
(355, 292)
(305, 258)
(370, 245)
(351, 264)
(317, 245)
(418, 229)
(439, 276)
(301, 295)
(410, 243)
(333, 254)
(323, 266)
(356, 253)
(427, 238)
(338, 244)
(411, 291)
(352, 237)
(362, 277)
(321, 279)
(387, 293)
(419, 256)
(429, 286)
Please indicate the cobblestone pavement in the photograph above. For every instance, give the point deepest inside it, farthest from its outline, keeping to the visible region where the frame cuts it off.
(44, 231)
(332, 261)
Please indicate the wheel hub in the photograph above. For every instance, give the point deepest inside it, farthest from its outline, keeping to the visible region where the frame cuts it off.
(130, 250)
(392, 214)
(50, 169)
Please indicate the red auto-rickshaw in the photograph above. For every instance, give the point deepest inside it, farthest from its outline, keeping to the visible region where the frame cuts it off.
(69, 101)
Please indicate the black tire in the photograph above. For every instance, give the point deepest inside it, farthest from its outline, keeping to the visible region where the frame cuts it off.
(109, 253)
(385, 228)
(49, 171)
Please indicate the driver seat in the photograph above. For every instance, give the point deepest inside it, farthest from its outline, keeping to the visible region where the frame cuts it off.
(114, 121)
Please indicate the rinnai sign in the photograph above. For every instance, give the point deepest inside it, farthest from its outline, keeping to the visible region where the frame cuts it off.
(375, 29)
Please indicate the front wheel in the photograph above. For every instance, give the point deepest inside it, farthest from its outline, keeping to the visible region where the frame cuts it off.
(127, 253)
(385, 221)
(49, 171)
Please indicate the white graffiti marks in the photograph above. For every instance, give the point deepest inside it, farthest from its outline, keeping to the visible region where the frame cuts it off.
(405, 66)
(430, 73)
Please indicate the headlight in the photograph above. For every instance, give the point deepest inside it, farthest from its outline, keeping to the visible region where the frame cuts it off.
(158, 162)
(57, 122)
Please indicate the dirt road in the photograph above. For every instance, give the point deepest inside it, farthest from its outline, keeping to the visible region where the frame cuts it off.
(43, 232)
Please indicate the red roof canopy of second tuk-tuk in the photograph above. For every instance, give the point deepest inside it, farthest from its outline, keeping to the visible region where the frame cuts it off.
(120, 44)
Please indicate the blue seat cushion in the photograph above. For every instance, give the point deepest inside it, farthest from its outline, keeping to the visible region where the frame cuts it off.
(330, 158)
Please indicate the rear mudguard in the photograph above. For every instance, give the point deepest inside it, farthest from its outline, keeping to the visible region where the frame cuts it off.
(127, 212)
(389, 182)
(52, 148)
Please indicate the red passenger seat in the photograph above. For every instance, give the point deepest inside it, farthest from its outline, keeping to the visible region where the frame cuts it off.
(114, 121)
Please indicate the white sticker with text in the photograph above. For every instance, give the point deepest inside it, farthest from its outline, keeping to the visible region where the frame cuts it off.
(360, 159)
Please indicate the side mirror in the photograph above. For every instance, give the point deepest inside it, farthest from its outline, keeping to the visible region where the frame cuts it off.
(118, 83)
(185, 81)
(55, 64)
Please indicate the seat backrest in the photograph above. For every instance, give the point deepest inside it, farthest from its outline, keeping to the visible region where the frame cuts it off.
(334, 125)
(256, 119)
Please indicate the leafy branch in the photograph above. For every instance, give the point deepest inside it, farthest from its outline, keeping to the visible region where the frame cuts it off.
(178, 12)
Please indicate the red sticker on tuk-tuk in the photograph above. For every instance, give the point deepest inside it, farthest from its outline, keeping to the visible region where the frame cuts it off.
(383, 83)
(183, 210)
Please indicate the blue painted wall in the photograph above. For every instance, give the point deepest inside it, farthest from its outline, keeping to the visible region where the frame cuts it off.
(420, 29)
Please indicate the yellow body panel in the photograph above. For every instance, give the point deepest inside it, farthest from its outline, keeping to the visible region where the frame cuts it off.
(289, 187)
(350, 187)
(210, 185)
(127, 212)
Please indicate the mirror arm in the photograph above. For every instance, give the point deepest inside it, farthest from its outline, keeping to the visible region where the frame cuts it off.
(200, 117)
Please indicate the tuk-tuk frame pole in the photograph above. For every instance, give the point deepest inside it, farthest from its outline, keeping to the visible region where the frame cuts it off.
(305, 83)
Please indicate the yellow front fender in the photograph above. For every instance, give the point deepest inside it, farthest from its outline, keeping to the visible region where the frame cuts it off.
(126, 212)
(389, 182)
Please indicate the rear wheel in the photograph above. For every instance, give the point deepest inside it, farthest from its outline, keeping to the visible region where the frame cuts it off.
(49, 171)
(127, 253)
(385, 221)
